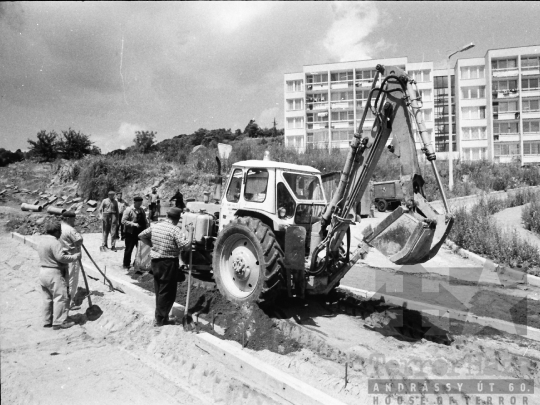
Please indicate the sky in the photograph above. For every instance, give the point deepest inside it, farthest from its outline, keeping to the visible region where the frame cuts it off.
(110, 69)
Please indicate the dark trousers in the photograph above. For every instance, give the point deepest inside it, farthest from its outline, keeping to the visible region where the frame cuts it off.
(166, 272)
(131, 242)
(153, 211)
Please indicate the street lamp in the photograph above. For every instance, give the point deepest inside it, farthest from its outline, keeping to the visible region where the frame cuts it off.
(450, 143)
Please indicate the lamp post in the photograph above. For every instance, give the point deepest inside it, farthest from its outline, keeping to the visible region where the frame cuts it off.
(450, 143)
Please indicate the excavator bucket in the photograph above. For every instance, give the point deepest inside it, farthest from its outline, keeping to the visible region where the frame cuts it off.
(409, 238)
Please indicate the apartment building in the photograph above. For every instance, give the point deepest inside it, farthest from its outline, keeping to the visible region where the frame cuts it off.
(494, 104)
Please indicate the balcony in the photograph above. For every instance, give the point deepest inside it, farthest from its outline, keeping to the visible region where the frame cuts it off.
(313, 87)
(364, 83)
(530, 70)
(530, 92)
(342, 124)
(506, 72)
(319, 106)
(341, 85)
(530, 114)
(504, 94)
(341, 105)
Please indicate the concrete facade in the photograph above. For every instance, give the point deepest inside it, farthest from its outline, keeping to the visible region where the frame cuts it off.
(494, 105)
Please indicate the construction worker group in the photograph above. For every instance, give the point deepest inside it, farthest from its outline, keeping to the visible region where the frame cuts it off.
(60, 253)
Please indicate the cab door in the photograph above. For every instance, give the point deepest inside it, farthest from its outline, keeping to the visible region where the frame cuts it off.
(231, 199)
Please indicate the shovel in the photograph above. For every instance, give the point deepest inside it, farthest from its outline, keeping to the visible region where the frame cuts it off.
(93, 312)
(187, 319)
(103, 274)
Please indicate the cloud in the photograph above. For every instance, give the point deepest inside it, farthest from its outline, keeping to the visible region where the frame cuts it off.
(353, 22)
(120, 140)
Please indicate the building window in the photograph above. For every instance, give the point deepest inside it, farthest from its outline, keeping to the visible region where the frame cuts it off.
(365, 75)
(341, 76)
(506, 149)
(506, 107)
(474, 153)
(343, 135)
(473, 92)
(341, 96)
(317, 138)
(296, 141)
(295, 104)
(472, 72)
(342, 115)
(294, 85)
(505, 85)
(531, 148)
(503, 64)
(425, 95)
(531, 105)
(531, 126)
(426, 114)
(529, 84)
(420, 76)
(295, 123)
(530, 62)
(473, 113)
(506, 128)
(472, 133)
(319, 78)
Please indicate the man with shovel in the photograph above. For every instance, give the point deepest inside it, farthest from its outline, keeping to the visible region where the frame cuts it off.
(72, 241)
(52, 278)
(166, 241)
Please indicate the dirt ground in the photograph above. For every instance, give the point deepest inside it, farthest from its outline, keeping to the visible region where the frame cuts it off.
(120, 358)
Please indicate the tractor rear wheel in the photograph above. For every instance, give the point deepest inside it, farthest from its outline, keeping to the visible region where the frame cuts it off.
(248, 262)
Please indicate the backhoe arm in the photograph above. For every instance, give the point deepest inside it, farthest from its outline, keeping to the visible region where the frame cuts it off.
(414, 232)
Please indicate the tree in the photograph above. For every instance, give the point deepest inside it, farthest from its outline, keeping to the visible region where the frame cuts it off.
(75, 145)
(7, 156)
(45, 148)
(252, 129)
(144, 141)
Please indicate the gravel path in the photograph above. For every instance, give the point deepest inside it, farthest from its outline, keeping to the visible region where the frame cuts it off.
(510, 219)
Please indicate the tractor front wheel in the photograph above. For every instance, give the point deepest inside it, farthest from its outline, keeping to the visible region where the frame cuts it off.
(248, 262)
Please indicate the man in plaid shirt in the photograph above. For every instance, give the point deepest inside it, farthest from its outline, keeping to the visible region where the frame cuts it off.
(166, 241)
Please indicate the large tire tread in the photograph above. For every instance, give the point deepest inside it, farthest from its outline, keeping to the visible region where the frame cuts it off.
(273, 256)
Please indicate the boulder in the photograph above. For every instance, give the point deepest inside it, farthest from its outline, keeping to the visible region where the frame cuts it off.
(40, 221)
(92, 203)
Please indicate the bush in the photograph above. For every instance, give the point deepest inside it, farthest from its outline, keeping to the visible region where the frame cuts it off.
(531, 217)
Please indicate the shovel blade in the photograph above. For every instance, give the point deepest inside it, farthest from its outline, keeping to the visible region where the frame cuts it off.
(93, 312)
(407, 239)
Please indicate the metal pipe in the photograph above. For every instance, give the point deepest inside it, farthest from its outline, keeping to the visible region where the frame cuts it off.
(31, 207)
(55, 210)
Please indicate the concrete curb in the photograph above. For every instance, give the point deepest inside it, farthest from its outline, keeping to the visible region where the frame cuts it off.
(504, 326)
(261, 375)
(517, 275)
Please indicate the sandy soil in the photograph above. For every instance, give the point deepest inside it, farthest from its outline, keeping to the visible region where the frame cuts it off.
(120, 358)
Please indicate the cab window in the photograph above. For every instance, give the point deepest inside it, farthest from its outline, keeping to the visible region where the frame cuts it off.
(233, 193)
(285, 202)
(304, 186)
(256, 185)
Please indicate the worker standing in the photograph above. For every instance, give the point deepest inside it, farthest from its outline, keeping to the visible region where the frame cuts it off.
(153, 203)
(52, 278)
(134, 222)
(166, 241)
(108, 212)
(122, 204)
(72, 241)
(178, 199)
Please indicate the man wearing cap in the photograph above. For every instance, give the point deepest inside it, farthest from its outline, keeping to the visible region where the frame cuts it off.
(166, 241)
(153, 203)
(72, 241)
(134, 222)
(52, 277)
(108, 212)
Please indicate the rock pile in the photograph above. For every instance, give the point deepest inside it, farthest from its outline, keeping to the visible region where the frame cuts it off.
(34, 224)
